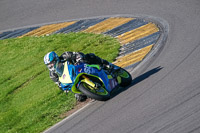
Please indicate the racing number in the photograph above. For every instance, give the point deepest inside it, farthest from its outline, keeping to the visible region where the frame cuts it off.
(88, 69)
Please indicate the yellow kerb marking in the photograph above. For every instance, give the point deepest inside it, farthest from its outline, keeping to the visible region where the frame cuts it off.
(48, 29)
(133, 57)
(138, 33)
(108, 24)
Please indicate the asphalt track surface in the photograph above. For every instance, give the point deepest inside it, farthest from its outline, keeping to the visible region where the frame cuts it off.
(165, 95)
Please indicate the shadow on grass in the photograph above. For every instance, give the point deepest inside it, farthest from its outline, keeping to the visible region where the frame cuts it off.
(136, 81)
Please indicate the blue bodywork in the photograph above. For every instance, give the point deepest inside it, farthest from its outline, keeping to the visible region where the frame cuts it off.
(95, 70)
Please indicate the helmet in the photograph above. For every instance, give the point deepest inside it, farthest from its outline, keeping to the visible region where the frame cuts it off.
(50, 60)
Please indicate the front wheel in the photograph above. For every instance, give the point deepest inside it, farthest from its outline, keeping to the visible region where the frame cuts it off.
(99, 93)
(126, 78)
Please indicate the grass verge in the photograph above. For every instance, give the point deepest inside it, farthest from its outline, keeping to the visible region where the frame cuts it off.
(29, 100)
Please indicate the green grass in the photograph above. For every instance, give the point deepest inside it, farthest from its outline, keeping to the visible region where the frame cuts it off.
(29, 100)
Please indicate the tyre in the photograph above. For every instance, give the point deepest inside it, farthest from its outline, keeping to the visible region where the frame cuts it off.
(126, 78)
(100, 93)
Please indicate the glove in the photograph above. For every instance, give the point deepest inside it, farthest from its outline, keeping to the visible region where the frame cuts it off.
(79, 58)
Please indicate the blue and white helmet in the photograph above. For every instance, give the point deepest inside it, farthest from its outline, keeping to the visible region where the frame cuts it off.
(50, 60)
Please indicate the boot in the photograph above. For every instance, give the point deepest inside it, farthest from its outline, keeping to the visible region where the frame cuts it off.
(80, 97)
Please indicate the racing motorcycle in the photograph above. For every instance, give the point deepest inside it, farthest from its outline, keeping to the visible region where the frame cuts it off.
(91, 80)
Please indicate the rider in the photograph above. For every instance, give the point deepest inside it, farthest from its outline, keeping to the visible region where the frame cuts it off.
(51, 58)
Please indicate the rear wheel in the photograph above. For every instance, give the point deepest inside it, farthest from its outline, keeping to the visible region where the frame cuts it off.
(126, 78)
(99, 93)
